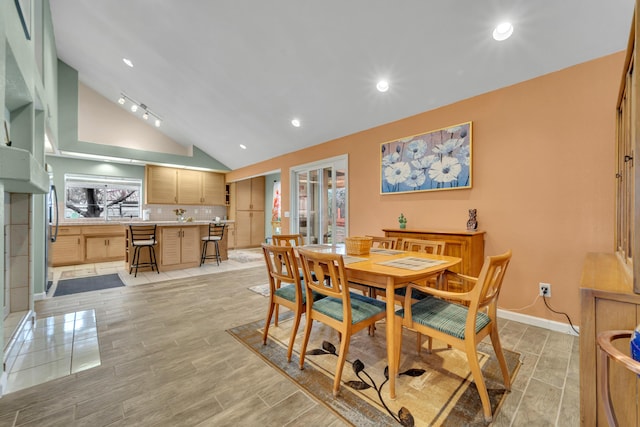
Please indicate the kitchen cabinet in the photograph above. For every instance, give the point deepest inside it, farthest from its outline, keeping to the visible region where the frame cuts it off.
(183, 186)
(249, 228)
(179, 246)
(104, 243)
(67, 249)
(247, 202)
(250, 194)
(161, 185)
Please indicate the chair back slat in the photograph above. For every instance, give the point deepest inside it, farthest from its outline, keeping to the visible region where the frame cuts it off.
(383, 242)
(435, 247)
(288, 240)
(282, 267)
(324, 273)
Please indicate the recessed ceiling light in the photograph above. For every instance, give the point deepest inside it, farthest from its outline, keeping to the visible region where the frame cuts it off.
(128, 62)
(244, 147)
(382, 86)
(121, 100)
(158, 123)
(503, 31)
(295, 122)
(134, 108)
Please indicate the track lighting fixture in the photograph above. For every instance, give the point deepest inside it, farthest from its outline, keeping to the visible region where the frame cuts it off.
(135, 106)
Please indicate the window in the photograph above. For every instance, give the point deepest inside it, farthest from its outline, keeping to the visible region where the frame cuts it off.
(106, 197)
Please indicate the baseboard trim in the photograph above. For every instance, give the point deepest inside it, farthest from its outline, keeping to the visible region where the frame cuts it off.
(538, 321)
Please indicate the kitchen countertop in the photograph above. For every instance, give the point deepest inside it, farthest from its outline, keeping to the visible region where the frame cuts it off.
(176, 223)
(89, 222)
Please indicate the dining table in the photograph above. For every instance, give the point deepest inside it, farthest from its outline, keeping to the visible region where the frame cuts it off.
(388, 270)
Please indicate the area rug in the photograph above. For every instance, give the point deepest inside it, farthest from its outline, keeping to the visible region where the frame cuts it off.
(264, 290)
(245, 256)
(86, 284)
(432, 390)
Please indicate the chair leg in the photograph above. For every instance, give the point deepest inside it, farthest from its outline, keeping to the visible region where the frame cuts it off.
(344, 348)
(136, 260)
(133, 259)
(305, 341)
(294, 331)
(497, 348)
(217, 253)
(398, 339)
(472, 357)
(265, 333)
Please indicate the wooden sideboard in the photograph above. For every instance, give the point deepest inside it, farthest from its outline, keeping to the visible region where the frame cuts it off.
(608, 303)
(468, 245)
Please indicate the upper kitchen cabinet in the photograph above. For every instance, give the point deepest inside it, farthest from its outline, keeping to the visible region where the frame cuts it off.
(250, 194)
(170, 186)
(161, 185)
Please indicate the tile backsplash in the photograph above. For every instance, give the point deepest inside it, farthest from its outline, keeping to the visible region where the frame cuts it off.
(198, 213)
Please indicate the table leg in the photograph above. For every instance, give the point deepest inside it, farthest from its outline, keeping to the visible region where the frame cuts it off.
(391, 344)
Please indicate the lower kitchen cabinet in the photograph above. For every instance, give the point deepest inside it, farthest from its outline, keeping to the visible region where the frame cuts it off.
(67, 250)
(179, 246)
(107, 248)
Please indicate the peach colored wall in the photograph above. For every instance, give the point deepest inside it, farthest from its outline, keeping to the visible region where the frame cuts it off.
(543, 178)
(96, 115)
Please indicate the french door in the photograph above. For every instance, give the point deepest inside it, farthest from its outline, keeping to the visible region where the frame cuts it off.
(319, 201)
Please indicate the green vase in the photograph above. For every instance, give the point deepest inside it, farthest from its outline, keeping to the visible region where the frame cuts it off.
(403, 225)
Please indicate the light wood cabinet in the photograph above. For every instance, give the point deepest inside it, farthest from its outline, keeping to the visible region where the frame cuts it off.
(608, 303)
(83, 244)
(161, 185)
(468, 245)
(67, 249)
(610, 284)
(171, 186)
(247, 199)
(179, 245)
(101, 249)
(213, 189)
(250, 194)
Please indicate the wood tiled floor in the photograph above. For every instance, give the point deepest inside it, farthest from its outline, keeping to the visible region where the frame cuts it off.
(167, 361)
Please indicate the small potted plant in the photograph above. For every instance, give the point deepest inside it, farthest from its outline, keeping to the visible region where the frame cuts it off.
(402, 220)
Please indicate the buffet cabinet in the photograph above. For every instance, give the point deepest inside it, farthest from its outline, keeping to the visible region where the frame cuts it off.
(468, 245)
(247, 203)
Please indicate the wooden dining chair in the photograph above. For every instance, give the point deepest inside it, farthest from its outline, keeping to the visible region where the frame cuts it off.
(342, 310)
(288, 239)
(285, 288)
(383, 242)
(461, 326)
(428, 246)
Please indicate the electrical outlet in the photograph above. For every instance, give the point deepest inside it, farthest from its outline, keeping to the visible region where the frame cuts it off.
(545, 290)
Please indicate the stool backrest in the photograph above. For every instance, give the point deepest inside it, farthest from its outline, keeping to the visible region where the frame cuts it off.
(142, 232)
(216, 230)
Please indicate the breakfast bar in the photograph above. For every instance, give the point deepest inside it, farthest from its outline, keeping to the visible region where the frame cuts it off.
(179, 244)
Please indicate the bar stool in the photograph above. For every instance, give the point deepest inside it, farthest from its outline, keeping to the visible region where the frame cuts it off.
(143, 236)
(216, 232)
(609, 352)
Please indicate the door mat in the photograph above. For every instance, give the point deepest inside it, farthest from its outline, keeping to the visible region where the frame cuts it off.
(87, 284)
(436, 389)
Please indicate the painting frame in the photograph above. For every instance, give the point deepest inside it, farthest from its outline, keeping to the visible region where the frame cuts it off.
(24, 11)
(436, 160)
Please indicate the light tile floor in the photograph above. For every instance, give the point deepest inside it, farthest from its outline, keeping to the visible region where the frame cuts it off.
(53, 347)
(57, 346)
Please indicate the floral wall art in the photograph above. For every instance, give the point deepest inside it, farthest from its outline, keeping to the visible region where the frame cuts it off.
(436, 160)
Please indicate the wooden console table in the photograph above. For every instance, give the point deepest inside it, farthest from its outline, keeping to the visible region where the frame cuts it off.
(608, 303)
(468, 245)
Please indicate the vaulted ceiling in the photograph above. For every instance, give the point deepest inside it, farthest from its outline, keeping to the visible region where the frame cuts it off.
(225, 73)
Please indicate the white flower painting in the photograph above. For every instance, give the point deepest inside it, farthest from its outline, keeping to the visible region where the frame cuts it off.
(437, 160)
